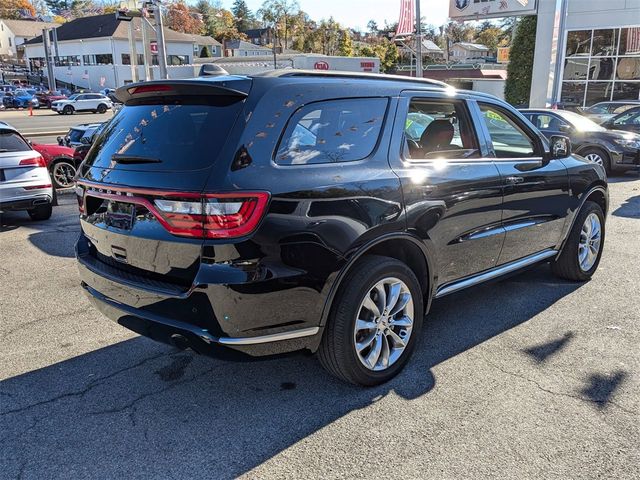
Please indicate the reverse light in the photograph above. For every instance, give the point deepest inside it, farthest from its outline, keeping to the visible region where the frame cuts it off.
(33, 161)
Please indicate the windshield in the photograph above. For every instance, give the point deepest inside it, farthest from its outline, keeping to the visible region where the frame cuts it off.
(75, 135)
(580, 123)
(73, 97)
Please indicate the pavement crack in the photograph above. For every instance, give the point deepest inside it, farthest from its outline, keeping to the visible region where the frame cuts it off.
(38, 320)
(80, 393)
(560, 394)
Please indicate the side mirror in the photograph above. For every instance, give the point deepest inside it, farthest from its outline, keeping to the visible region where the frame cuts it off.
(60, 141)
(560, 147)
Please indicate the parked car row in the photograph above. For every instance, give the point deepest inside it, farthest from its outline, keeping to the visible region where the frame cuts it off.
(60, 101)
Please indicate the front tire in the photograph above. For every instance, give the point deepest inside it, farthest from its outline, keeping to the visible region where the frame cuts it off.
(581, 254)
(598, 156)
(41, 212)
(102, 108)
(68, 110)
(374, 324)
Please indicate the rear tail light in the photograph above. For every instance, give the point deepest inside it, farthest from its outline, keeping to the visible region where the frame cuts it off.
(149, 89)
(35, 187)
(34, 161)
(213, 215)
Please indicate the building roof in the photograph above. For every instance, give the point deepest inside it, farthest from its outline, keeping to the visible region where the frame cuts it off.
(27, 28)
(108, 25)
(477, 47)
(242, 45)
(256, 32)
(430, 46)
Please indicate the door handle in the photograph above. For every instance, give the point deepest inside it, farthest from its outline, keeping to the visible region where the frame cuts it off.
(514, 180)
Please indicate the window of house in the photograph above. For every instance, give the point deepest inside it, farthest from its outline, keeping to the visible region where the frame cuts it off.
(509, 139)
(436, 129)
(98, 59)
(332, 131)
(126, 59)
(68, 61)
(177, 59)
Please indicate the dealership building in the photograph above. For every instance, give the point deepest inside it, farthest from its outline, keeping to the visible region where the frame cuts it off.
(587, 51)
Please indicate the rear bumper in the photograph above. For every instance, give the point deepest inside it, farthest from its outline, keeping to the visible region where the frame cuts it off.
(26, 203)
(184, 335)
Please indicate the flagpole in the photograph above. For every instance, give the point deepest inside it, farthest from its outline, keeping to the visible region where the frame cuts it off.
(418, 41)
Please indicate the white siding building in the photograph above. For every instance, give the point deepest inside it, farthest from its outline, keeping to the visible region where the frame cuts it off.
(94, 53)
(13, 33)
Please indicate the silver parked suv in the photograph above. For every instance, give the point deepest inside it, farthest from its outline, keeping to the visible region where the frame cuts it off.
(25, 183)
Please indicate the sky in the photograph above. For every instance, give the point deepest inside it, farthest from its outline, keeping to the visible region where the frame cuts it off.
(356, 13)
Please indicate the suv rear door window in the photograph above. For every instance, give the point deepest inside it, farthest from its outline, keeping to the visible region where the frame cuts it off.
(438, 129)
(10, 141)
(179, 136)
(332, 131)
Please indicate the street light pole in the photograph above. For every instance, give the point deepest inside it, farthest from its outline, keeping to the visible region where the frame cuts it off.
(418, 41)
(162, 52)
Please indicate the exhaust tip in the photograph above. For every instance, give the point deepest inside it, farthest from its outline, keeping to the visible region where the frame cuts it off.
(180, 341)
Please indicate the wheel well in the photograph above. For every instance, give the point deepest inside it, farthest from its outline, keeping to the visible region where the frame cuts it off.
(408, 253)
(61, 159)
(593, 147)
(598, 197)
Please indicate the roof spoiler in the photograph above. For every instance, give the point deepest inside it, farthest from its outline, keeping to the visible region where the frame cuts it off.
(223, 86)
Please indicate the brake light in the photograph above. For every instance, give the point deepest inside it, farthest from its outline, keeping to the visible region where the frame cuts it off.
(149, 89)
(35, 187)
(34, 161)
(213, 215)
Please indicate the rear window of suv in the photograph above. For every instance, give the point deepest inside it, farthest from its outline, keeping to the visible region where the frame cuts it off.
(332, 131)
(170, 137)
(10, 141)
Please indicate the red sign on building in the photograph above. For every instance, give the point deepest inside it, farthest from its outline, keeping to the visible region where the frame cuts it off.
(153, 47)
(321, 66)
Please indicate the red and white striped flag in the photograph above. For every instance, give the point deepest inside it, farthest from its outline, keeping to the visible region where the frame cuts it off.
(633, 40)
(407, 17)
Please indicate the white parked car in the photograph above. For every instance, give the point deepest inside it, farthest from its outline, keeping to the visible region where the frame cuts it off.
(25, 183)
(82, 102)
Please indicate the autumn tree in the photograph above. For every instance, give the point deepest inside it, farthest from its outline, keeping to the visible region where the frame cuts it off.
(279, 15)
(16, 9)
(243, 17)
(345, 45)
(181, 19)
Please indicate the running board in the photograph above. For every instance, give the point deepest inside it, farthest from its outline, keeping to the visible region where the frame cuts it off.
(494, 273)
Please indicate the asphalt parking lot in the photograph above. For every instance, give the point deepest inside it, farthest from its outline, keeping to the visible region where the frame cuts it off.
(530, 377)
(45, 124)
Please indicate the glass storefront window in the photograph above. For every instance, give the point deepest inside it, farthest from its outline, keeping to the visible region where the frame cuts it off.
(605, 42)
(601, 68)
(628, 68)
(573, 93)
(601, 65)
(578, 43)
(598, 92)
(626, 91)
(575, 68)
(630, 41)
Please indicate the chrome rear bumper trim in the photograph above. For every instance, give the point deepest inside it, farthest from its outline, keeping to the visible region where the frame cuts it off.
(274, 337)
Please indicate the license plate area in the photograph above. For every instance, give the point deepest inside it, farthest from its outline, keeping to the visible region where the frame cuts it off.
(120, 215)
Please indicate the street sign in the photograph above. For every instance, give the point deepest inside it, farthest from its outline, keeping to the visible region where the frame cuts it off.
(482, 9)
(503, 54)
(153, 47)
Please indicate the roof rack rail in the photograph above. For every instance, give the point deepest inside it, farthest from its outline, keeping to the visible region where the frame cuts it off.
(355, 75)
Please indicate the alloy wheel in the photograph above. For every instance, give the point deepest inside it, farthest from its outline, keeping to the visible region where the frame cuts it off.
(595, 158)
(590, 241)
(384, 324)
(63, 174)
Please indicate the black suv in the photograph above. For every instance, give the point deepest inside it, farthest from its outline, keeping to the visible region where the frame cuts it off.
(250, 216)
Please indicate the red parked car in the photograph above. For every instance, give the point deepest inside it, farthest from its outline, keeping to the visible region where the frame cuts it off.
(60, 162)
(47, 98)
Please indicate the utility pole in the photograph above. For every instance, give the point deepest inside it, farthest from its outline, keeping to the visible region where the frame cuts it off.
(51, 78)
(162, 52)
(419, 72)
(146, 47)
(133, 56)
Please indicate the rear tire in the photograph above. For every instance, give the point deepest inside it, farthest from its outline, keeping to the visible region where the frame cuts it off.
(578, 260)
(62, 173)
(41, 212)
(365, 348)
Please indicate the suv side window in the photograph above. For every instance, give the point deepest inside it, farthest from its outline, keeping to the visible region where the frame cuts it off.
(332, 131)
(509, 139)
(437, 128)
(548, 122)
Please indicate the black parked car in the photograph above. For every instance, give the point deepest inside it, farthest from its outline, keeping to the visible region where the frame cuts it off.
(628, 120)
(618, 151)
(250, 216)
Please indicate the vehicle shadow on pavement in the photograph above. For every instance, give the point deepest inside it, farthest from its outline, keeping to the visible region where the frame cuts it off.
(629, 209)
(138, 408)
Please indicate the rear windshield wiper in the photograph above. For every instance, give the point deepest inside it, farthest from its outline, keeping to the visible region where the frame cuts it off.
(131, 159)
